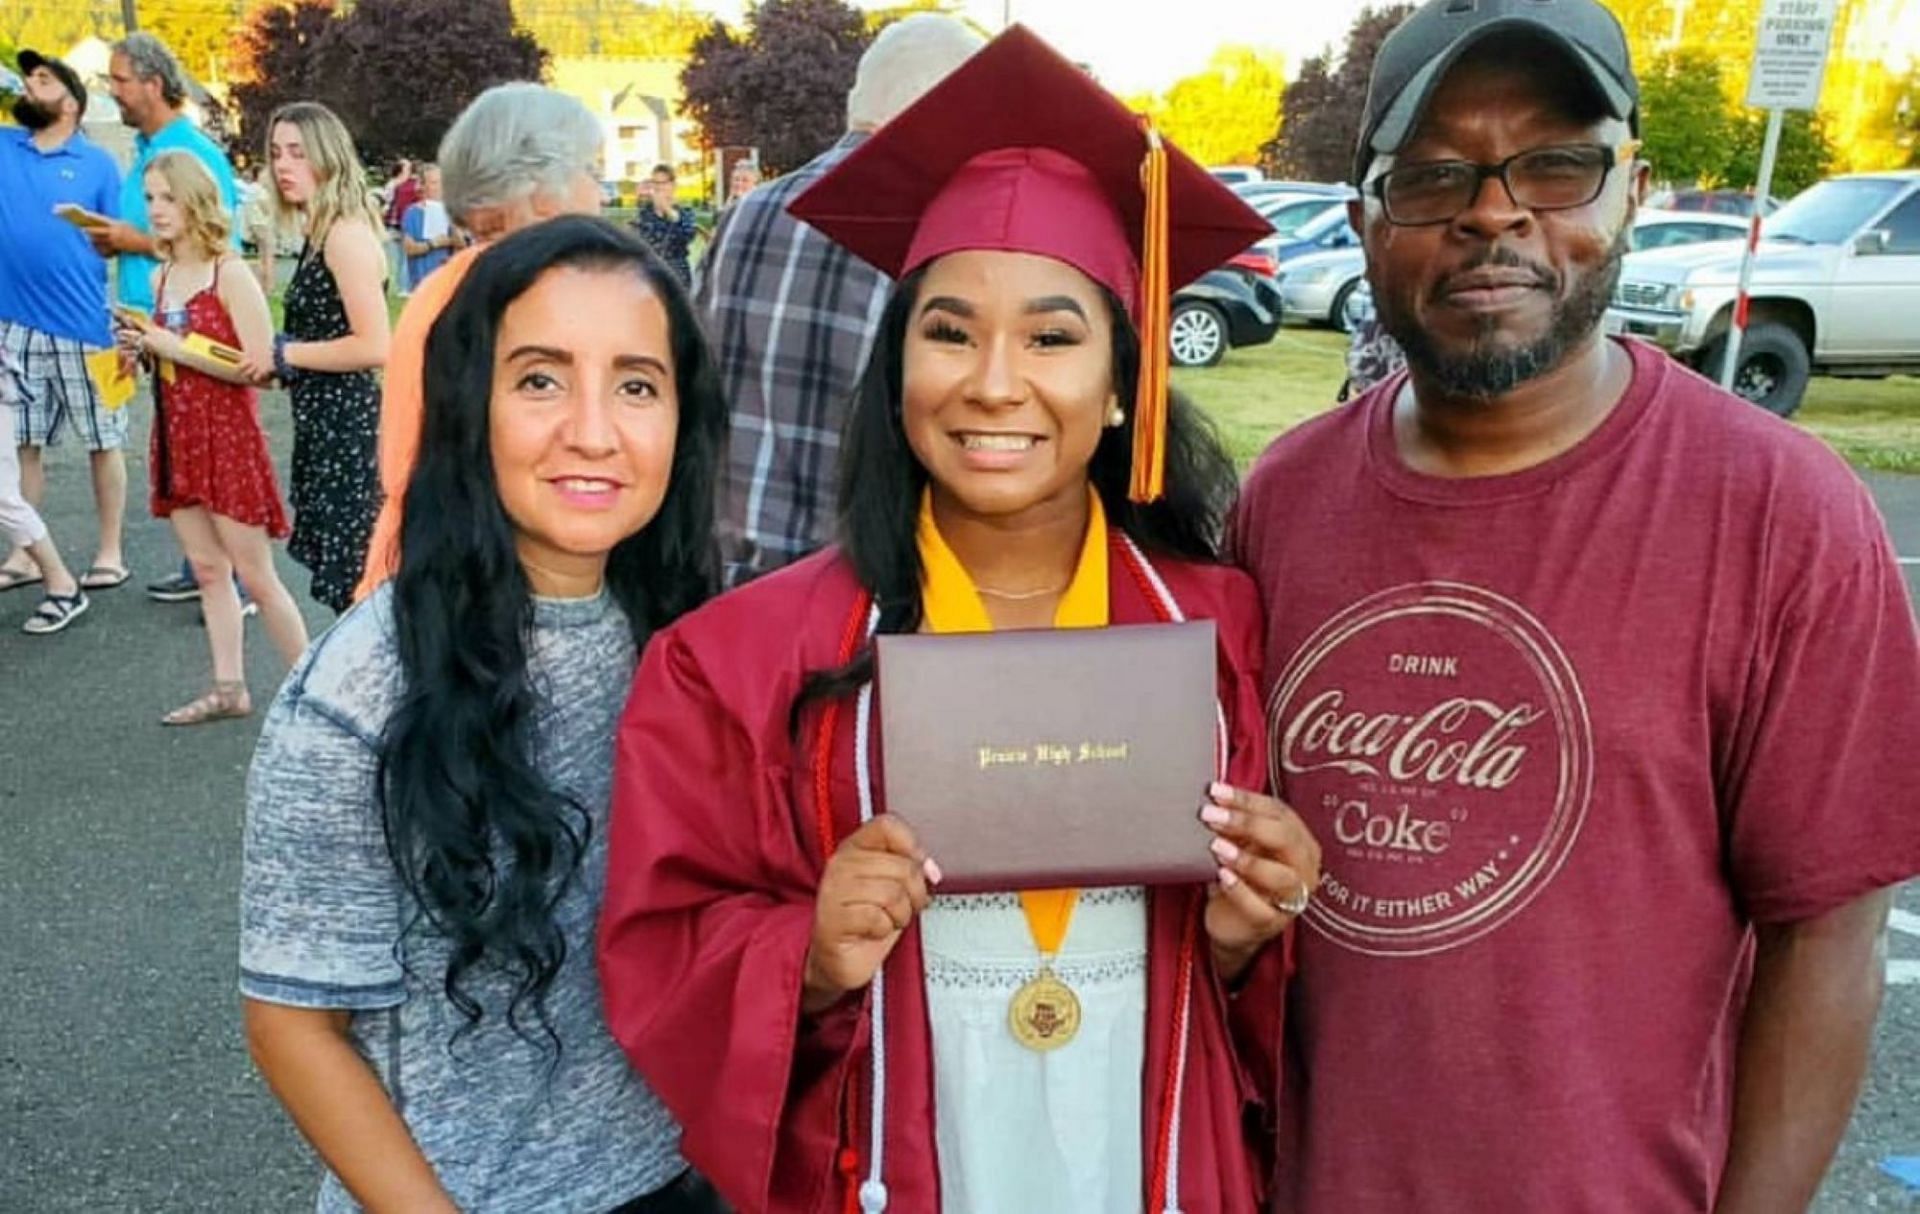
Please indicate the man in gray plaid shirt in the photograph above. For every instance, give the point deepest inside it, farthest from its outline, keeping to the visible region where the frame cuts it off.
(792, 318)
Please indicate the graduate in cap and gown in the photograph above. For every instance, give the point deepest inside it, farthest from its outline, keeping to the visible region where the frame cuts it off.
(833, 1033)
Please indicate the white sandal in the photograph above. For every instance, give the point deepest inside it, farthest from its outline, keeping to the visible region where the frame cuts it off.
(55, 612)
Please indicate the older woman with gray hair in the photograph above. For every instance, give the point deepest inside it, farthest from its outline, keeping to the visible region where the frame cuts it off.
(519, 154)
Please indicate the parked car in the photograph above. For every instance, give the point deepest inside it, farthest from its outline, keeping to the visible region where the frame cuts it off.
(1836, 288)
(1712, 202)
(1319, 287)
(1226, 308)
(1288, 213)
(1252, 190)
(1658, 229)
(1237, 174)
(1327, 230)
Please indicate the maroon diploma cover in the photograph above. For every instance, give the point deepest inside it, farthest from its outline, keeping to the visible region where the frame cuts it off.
(1072, 756)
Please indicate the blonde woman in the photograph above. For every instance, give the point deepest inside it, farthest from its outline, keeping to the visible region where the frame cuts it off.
(335, 339)
(211, 473)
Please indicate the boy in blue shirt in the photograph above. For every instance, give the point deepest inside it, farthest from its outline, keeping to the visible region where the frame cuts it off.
(427, 234)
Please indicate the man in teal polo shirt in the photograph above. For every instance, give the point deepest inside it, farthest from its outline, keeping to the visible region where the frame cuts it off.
(150, 88)
(53, 303)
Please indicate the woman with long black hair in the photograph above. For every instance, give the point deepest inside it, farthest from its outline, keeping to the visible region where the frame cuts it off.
(829, 1032)
(425, 839)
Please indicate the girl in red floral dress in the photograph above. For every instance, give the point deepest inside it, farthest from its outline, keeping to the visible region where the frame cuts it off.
(211, 474)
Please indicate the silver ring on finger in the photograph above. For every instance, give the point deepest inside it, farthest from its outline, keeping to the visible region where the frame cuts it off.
(1296, 905)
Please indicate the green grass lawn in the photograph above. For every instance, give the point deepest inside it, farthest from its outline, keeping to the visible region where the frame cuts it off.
(1258, 393)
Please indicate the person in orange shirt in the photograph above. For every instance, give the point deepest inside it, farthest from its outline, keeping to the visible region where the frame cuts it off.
(519, 154)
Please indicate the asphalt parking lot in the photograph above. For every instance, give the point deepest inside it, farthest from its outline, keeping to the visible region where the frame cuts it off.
(124, 1084)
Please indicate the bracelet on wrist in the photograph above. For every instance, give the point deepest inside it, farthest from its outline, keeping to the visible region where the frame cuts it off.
(285, 371)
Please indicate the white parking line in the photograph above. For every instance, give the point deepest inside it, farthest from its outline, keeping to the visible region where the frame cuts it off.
(1902, 972)
(1908, 560)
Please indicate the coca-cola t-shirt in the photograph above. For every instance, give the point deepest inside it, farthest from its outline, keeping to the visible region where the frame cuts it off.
(1565, 735)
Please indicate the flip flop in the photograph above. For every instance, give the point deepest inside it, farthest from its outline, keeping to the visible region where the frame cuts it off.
(14, 579)
(104, 577)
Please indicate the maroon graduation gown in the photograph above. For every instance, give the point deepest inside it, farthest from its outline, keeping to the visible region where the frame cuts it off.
(715, 854)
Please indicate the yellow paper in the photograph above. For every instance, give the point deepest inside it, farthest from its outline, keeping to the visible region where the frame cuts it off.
(115, 385)
(206, 347)
(80, 217)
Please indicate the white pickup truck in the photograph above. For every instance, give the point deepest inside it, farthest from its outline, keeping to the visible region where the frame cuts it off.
(1835, 291)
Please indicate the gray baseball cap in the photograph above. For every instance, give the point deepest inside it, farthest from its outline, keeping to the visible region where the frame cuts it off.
(1417, 55)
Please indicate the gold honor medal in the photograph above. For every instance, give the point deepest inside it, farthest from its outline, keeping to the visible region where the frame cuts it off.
(1045, 1013)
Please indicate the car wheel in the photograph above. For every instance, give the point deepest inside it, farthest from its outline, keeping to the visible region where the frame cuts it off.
(1340, 314)
(1198, 334)
(1774, 367)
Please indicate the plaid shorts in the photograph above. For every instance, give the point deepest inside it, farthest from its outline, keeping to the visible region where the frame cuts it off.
(54, 391)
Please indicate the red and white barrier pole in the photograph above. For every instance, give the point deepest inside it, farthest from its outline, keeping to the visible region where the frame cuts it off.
(1761, 190)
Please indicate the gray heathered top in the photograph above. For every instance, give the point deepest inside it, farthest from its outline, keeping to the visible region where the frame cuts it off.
(322, 914)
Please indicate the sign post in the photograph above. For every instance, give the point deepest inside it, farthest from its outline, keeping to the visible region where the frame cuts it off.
(1789, 63)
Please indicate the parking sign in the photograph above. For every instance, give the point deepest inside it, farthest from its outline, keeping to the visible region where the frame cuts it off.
(1790, 54)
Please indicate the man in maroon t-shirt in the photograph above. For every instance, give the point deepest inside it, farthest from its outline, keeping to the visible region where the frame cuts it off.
(1596, 683)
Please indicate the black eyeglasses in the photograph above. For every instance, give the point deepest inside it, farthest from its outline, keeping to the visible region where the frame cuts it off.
(1554, 178)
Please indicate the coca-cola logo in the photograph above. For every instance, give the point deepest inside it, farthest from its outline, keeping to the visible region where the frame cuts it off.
(1435, 737)
(1438, 746)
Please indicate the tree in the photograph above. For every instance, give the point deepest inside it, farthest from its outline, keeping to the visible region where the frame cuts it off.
(707, 87)
(1324, 105)
(200, 33)
(1686, 126)
(52, 25)
(1906, 116)
(1300, 139)
(629, 28)
(1649, 26)
(1223, 114)
(1805, 155)
(782, 85)
(398, 72)
(277, 60)
(8, 53)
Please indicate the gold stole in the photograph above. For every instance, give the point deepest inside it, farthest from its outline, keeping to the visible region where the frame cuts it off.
(1045, 1013)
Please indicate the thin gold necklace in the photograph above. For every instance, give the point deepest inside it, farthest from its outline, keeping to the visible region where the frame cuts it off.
(1021, 596)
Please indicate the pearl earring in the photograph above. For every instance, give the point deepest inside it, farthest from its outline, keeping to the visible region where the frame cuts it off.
(1116, 416)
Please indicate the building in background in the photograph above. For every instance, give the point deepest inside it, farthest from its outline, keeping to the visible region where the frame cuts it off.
(638, 104)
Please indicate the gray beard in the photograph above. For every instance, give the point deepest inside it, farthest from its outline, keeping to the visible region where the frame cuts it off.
(1488, 369)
